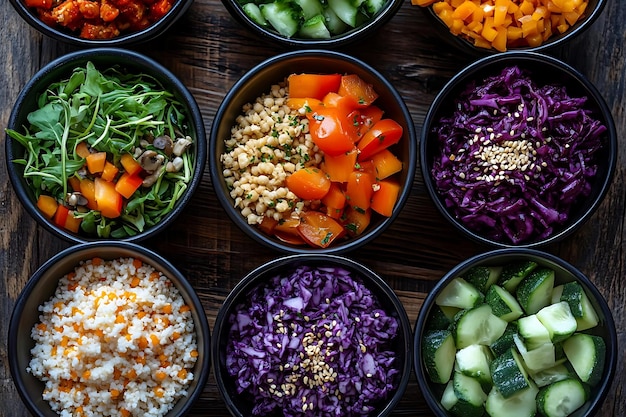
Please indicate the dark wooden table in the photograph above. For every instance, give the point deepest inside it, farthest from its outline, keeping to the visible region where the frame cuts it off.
(209, 51)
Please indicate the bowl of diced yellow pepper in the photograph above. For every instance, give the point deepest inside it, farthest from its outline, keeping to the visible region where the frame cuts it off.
(495, 26)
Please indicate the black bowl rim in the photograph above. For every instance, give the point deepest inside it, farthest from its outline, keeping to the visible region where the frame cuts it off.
(183, 285)
(137, 60)
(524, 56)
(612, 343)
(372, 232)
(465, 45)
(356, 34)
(151, 32)
(373, 280)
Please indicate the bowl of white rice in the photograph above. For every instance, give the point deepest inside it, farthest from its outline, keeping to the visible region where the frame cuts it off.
(109, 329)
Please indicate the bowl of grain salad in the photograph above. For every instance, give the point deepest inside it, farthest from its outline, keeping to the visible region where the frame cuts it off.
(312, 335)
(312, 151)
(110, 329)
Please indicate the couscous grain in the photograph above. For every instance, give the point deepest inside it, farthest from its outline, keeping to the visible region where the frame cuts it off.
(116, 339)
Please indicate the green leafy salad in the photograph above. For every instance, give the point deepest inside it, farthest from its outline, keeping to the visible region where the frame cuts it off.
(106, 153)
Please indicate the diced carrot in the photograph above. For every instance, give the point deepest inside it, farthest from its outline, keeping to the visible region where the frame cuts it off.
(127, 184)
(130, 164)
(385, 197)
(96, 161)
(109, 172)
(48, 205)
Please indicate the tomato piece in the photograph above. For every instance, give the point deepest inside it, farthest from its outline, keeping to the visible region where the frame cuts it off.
(368, 117)
(313, 85)
(359, 189)
(318, 229)
(308, 183)
(361, 92)
(109, 201)
(339, 167)
(331, 131)
(310, 104)
(334, 201)
(385, 197)
(355, 221)
(383, 134)
(287, 231)
(41, 4)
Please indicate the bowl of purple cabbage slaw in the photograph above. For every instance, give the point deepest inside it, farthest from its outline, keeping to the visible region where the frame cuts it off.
(518, 150)
(312, 335)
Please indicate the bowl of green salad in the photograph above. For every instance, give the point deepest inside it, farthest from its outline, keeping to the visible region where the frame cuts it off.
(515, 332)
(313, 23)
(105, 144)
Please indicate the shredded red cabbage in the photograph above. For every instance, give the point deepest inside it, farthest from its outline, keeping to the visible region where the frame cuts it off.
(515, 156)
(312, 342)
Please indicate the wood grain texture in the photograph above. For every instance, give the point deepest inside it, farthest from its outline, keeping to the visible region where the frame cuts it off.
(209, 51)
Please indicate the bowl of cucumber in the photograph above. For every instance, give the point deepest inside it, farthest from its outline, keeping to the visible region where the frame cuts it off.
(515, 332)
(313, 23)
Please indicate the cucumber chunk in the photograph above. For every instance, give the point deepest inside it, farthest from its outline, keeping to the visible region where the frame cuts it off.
(587, 354)
(503, 303)
(508, 373)
(439, 352)
(533, 332)
(535, 291)
(478, 326)
(483, 277)
(474, 361)
(561, 398)
(310, 8)
(458, 407)
(512, 274)
(345, 11)
(460, 294)
(469, 391)
(551, 375)
(333, 22)
(559, 321)
(254, 13)
(506, 341)
(538, 359)
(574, 294)
(282, 18)
(521, 404)
(315, 28)
(438, 320)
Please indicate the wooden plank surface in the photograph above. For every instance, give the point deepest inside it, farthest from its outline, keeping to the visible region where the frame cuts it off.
(209, 51)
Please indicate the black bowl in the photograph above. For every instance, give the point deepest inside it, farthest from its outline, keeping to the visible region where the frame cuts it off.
(41, 287)
(350, 35)
(544, 70)
(62, 68)
(557, 40)
(125, 39)
(258, 81)
(240, 405)
(564, 272)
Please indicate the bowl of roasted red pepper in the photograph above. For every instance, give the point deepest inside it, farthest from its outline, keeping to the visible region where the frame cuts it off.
(105, 143)
(313, 151)
(100, 22)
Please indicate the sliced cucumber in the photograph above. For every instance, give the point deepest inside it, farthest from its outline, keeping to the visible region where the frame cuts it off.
(281, 18)
(315, 28)
(503, 303)
(559, 321)
(521, 404)
(310, 8)
(439, 352)
(506, 341)
(583, 311)
(538, 359)
(548, 376)
(374, 6)
(254, 12)
(333, 22)
(561, 398)
(450, 312)
(438, 320)
(508, 373)
(535, 291)
(478, 326)
(512, 274)
(345, 10)
(587, 354)
(533, 332)
(460, 294)
(469, 391)
(483, 277)
(474, 361)
(457, 407)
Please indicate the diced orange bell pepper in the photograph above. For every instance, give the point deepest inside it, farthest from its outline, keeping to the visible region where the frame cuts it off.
(338, 168)
(312, 85)
(385, 197)
(129, 164)
(48, 205)
(386, 164)
(82, 150)
(359, 189)
(88, 190)
(382, 135)
(72, 223)
(96, 161)
(335, 201)
(127, 184)
(361, 92)
(109, 201)
(356, 221)
(109, 172)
